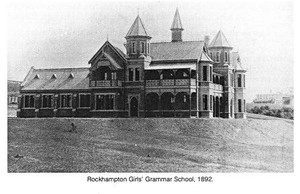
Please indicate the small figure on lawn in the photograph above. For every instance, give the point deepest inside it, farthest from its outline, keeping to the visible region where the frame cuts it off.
(73, 128)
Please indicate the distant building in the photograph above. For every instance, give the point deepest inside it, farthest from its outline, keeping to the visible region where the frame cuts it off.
(152, 79)
(13, 91)
(275, 98)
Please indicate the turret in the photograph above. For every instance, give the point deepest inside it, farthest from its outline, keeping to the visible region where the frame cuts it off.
(138, 40)
(219, 49)
(176, 28)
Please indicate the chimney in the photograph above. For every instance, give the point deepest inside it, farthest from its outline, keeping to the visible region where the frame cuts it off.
(206, 40)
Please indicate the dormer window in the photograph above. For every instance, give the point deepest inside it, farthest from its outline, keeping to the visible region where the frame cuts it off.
(36, 76)
(53, 76)
(71, 75)
(133, 47)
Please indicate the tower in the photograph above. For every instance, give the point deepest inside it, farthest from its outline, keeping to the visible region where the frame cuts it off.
(219, 51)
(239, 86)
(137, 40)
(176, 28)
(138, 50)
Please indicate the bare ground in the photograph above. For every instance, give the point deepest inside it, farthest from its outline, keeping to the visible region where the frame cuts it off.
(261, 144)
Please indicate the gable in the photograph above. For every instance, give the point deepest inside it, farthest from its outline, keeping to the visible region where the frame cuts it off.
(108, 51)
(105, 59)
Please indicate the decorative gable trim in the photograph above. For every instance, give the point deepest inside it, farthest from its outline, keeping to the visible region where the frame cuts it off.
(102, 48)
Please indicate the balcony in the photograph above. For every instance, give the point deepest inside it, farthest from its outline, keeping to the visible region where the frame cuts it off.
(106, 83)
(170, 82)
(218, 87)
(213, 86)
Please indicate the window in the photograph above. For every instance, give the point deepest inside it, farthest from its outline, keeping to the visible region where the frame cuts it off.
(231, 79)
(113, 75)
(142, 47)
(148, 48)
(137, 74)
(210, 73)
(244, 81)
(211, 102)
(105, 101)
(133, 47)
(226, 57)
(240, 105)
(130, 74)
(217, 56)
(29, 101)
(66, 100)
(204, 73)
(205, 102)
(239, 80)
(84, 100)
(105, 76)
(47, 101)
(244, 105)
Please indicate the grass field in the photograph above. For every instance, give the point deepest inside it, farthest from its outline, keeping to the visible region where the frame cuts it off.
(256, 144)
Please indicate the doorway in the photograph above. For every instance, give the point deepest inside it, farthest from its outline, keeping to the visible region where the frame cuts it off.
(134, 107)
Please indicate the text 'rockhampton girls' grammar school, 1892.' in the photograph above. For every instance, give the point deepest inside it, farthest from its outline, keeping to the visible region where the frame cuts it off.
(152, 79)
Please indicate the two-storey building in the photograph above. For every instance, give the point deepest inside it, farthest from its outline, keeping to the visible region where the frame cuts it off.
(152, 79)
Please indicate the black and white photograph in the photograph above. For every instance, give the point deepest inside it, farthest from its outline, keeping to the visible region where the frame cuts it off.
(139, 91)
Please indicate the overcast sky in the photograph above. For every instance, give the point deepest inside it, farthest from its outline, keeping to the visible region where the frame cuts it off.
(68, 33)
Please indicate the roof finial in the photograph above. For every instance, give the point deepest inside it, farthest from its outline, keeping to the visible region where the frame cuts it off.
(107, 37)
(138, 10)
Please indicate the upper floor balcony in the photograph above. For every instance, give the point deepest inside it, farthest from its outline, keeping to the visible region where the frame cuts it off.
(106, 83)
(170, 77)
(171, 82)
(213, 86)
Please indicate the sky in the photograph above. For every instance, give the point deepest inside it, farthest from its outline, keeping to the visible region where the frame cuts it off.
(52, 34)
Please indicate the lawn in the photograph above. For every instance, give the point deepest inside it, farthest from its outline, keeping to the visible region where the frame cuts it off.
(150, 145)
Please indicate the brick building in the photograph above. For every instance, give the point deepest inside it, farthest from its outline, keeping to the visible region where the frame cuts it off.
(152, 79)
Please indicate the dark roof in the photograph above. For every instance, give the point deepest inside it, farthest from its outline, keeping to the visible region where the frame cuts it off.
(176, 50)
(137, 29)
(107, 43)
(63, 80)
(176, 24)
(121, 52)
(220, 41)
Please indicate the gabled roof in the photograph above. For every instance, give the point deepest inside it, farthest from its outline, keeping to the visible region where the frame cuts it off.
(236, 61)
(116, 49)
(112, 61)
(220, 41)
(205, 57)
(176, 25)
(165, 51)
(63, 80)
(137, 29)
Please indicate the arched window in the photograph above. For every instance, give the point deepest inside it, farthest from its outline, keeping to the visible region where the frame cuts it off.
(217, 56)
(225, 57)
(142, 47)
(133, 47)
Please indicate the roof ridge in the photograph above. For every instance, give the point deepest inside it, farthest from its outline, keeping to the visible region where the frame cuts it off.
(63, 68)
(177, 42)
